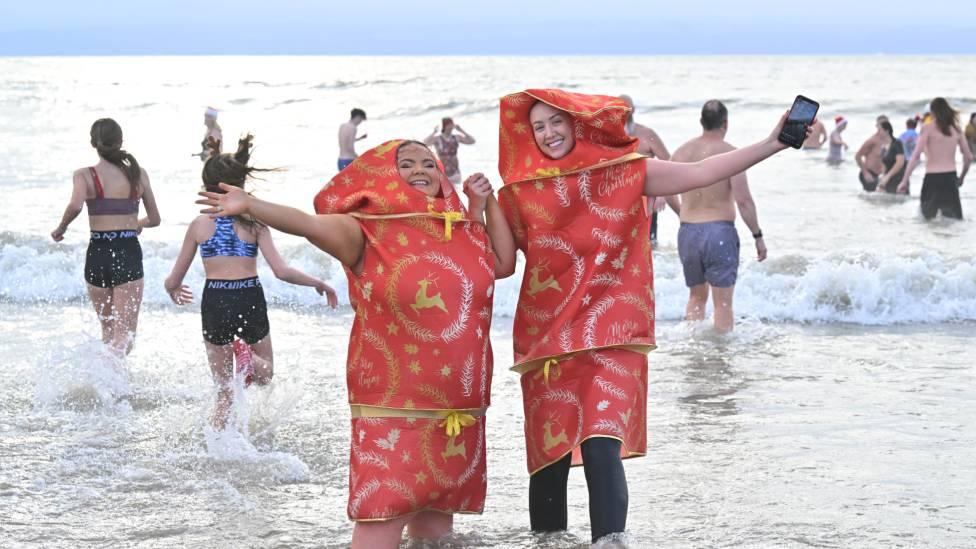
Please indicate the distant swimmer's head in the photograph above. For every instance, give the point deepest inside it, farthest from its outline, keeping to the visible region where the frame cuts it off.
(553, 130)
(229, 168)
(714, 116)
(946, 118)
(447, 125)
(106, 137)
(418, 167)
(912, 122)
(840, 122)
(357, 115)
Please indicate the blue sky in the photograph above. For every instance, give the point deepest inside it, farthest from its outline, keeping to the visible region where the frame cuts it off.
(438, 27)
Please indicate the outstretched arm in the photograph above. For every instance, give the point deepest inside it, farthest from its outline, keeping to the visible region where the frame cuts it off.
(79, 190)
(283, 271)
(429, 140)
(665, 178)
(338, 235)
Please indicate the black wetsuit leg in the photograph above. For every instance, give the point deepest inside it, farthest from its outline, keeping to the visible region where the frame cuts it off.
(607, 485)
(653, 223)
(547, 497)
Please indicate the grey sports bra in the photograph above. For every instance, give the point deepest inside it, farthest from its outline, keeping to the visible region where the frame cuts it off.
(110, 206)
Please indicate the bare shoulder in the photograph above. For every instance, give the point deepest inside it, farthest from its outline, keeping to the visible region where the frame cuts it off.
(80, 172)
(686, 152)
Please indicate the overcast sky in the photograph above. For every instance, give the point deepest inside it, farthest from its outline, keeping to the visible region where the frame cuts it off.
(439, 27)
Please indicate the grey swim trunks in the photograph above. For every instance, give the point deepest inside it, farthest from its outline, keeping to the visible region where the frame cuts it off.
(709, 252)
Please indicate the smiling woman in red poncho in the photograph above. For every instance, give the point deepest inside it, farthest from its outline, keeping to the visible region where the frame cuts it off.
(572, 199)
(421, 276)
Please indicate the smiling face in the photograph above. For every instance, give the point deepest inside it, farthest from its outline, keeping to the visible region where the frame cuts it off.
(417, 167)
(552, 129)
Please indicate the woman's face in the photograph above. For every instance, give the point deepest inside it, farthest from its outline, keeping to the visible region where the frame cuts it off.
(552, 129)
(418, 168)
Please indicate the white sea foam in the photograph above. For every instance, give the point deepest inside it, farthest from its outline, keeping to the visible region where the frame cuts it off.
(863, 288)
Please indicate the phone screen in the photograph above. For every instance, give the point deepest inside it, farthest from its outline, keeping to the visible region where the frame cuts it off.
(801, 115)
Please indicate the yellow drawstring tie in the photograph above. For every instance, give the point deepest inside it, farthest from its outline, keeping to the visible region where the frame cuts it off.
(448, 217)
(544, 371)
(454, 421)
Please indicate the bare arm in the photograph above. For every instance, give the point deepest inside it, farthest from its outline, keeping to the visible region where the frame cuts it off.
(967, 157)
(338, 235)
(463, 136)
(482, 201)
(923, 141)
(747, 209)
(665, 178)
(430, 139)
(79, 191)
(283, 271)
(656, 145)
(152, 218)
(180, 293)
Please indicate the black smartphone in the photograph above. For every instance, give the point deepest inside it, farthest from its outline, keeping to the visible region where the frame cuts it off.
(800, 117)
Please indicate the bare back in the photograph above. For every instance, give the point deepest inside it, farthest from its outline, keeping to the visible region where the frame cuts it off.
(347, 140)
(115, 184)
(940, 149)
(712, 203)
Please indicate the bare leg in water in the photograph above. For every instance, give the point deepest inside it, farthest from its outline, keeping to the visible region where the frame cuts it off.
(118, 312)
(428, 525)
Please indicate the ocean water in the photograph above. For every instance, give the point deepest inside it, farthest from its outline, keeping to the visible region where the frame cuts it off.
(839, 413)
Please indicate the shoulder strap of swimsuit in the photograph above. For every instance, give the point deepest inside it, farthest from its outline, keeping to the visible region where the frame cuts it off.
(99, 192)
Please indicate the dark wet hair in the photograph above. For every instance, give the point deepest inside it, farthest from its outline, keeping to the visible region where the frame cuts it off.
(886, 126)
(445, 121)
(357, 112)
(972, 117)
(106, 137)
(946, 118)
(912, 122)
(232, 169)
(714, 114)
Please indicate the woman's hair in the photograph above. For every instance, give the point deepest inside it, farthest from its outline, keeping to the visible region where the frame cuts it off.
(886, 126)
(106, 137)
(412, 142)
(946, 117)
(232, 169)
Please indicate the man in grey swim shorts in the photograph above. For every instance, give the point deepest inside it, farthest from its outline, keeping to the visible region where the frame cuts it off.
(708, 243)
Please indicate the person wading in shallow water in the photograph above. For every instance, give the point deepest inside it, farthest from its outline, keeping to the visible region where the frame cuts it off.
(574, 185)
(421, 274)
(939, 142)
(233, 310)
(708, 243)
(112, 190)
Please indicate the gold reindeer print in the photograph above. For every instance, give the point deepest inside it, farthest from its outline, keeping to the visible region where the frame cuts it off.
(550, 441)
(424, 301)
(454, 449)
(536, 285)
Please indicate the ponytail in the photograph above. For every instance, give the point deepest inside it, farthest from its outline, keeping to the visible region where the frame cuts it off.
(106, 137)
